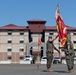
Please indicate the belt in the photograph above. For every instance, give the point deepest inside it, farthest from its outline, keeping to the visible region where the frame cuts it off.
(49, 52)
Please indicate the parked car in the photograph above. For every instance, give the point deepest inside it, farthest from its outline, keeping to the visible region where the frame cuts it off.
(28, 59)
(44, 60)
(64, 61)
(57, 60)
(75, 60)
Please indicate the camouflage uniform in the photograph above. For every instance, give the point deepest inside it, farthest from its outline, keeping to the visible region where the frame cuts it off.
(69, 55)
(49, 53)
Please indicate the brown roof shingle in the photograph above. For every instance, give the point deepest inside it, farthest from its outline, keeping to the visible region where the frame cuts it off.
(54, 28)
(12, 26)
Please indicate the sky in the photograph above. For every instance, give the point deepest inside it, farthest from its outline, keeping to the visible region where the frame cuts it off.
(18, 12)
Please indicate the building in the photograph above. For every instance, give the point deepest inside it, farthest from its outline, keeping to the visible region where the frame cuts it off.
(18, 41)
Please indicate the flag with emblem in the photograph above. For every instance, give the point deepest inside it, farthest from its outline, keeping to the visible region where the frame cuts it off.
(61, 27)
(39, 41)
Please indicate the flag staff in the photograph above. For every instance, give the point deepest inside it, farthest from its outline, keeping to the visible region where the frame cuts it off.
(58, 26)
(58, 10)
(38, 57)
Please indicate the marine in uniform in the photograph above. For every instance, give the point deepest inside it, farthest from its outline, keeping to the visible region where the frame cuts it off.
(69, 53)
(49, 52)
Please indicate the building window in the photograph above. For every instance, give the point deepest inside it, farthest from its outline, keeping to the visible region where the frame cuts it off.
(21, 58)
(21, 32)
(74, 41)
(30, 37)
(21, 50)
(74, 33)
(9, 57)
(51, 33)
(41, 48)
(31, 49)
(9, 32)
(21, 41)
(9, 40)
(9, 50)
(74, 49)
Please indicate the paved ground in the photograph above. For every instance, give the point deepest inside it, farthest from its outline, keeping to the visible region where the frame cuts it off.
(22, 69)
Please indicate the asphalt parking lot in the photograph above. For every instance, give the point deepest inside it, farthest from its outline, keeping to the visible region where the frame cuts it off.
(32, 69)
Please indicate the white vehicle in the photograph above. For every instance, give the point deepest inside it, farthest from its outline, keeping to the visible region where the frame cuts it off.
(28, 59)
(44, 60)
(57, 60)
(75, 60)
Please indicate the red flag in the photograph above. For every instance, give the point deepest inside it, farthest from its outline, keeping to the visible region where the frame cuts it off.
(39, 41)
(61, 27)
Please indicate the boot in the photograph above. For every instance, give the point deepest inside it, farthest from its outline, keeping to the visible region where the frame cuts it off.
(49, 70)
(69, 71)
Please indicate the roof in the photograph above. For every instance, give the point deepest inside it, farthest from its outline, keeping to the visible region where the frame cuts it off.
(36, 25)
(12, 27)
(71, 28)
(36, 21)
(54, 28)
(50, 28)
(35, 28)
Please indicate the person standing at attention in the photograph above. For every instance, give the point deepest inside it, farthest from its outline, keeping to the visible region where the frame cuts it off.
(49, 52)
(69, 53)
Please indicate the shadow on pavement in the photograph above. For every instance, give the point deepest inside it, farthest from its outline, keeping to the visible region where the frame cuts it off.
(60, 71)
(44, 70)
(56, 71)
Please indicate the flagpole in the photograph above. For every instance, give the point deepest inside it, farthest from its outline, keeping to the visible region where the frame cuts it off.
(38, 58)
(58, 10)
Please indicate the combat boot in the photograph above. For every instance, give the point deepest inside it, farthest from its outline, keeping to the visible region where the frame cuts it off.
(69, 71)
(49, 70)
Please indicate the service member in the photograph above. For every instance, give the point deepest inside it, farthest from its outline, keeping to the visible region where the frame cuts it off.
(49, 52)
(69, 53)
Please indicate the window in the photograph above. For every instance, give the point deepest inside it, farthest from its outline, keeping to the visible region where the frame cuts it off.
(9, 32)
(21, 50)
(31, 50)
(21, 41)
(9, 50)
(74, 33)
(41, 48)
(30, 37)
(9, 57)
(74, 49)
(21, 32)
(21, 58)
(51, 33)
(74, 41)
(9, 40)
